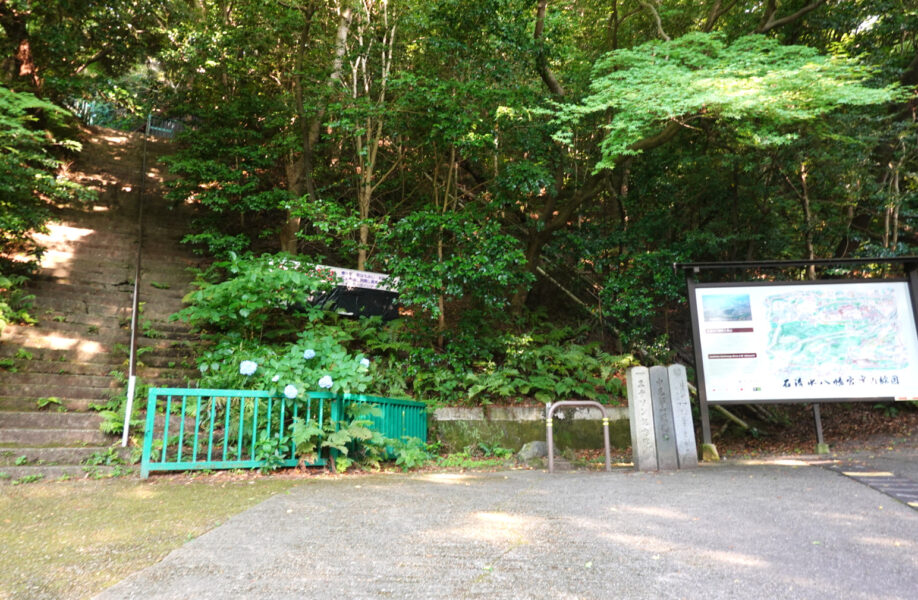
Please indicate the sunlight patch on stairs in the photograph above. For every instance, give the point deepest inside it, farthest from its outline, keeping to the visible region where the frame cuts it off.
(54, 341)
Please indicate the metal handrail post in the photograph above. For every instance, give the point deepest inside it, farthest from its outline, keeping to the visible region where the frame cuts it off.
(550, 437)
(135, 301)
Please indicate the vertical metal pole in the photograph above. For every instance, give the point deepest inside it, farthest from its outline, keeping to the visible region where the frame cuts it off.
(128, 409)
(818, 419)
(135, 301)
(605, 437)
(699, 358)
(549, 438)
(911, 270)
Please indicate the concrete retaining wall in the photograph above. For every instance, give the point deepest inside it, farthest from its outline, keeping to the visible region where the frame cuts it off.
(513, 426)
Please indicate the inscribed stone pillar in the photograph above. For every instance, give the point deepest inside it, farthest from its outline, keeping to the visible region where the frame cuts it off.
(640, 414)
(667, 457)
(682, 417)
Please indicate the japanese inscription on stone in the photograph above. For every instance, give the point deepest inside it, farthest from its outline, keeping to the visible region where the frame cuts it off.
(682, 417)
(640, 413)
(667, 457)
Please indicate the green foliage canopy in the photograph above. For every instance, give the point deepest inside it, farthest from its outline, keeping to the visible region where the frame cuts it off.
(755, 84)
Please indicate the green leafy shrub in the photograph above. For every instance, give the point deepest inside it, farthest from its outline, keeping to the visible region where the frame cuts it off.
(411, 452)
(28, 170)
(14, 301)
(268, 296)
(355, 441)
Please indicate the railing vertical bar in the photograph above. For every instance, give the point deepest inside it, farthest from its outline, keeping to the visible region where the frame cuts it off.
(181, 439)
(269, 416)
(166, 426)
(210, 437)
(296, 406)
(280, 423)
(254, 427)
(241, 428)
(197, 428)
(226, 424)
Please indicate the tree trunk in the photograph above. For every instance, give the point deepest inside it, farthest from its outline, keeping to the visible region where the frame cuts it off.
(364, 196)
(291, 226)
(808, 216)
(20, 67)
(299, 168)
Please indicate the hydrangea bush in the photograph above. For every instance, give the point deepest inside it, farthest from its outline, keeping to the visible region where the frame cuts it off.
(261, 330)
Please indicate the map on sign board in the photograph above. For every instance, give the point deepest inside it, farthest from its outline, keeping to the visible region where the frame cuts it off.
(807, 342)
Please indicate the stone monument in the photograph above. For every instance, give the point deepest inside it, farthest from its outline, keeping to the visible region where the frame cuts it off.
(640, 414)
(683, 426)
(664, 431)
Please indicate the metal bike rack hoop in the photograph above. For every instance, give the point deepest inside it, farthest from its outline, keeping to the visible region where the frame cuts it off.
(549, 433)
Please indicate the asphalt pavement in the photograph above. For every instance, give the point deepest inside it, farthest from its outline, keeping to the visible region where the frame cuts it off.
(770, 530)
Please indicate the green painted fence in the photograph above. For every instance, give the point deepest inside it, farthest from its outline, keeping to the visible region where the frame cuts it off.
(224, 429)
(400, 418)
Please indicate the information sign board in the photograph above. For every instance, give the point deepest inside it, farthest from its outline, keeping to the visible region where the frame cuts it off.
(806, 342)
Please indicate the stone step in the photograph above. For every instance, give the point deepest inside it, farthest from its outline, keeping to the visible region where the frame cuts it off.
(161, 315)
(89, 321)
(90, 262)
(52, 437)
(85, 229)
(178, 283)
(51, 456)
(63, 356)
(76, 348)
(68, 403)
(80, 237)
(75, 309)
(80, 285)
(174, 329)
(37, 391)
(167, 345)
(105, 248)
(47, 328)
(54, 420)
(163, 361)
(73, 275)
(153, 367)
(58, 367)
(14, 475)
(110, 294)
(8, 381)
(161, 382)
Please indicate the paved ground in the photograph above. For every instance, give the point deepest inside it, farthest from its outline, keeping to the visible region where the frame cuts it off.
(727, 531)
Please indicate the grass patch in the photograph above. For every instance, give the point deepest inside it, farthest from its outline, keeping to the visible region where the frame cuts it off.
(73, 539)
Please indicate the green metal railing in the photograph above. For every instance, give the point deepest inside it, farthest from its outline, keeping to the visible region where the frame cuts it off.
(209, 429)
(400, 418)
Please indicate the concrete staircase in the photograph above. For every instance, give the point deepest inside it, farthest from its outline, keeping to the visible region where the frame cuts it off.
(76, 355)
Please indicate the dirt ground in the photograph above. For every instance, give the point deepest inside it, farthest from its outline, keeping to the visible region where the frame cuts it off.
(846, 427)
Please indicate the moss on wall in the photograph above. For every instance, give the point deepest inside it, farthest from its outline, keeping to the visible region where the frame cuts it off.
(578, 434)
